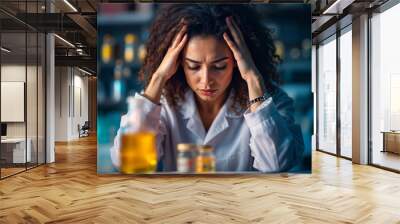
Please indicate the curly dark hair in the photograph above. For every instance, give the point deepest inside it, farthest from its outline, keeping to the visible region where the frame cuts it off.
(205, 20)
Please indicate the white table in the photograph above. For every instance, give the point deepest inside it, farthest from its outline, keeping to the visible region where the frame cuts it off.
(18, 145)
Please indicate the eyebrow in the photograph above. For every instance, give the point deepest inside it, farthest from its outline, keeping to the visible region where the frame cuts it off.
(217, 60)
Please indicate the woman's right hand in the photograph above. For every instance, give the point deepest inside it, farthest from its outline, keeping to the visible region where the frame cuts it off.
(170, 62)
(167, 68)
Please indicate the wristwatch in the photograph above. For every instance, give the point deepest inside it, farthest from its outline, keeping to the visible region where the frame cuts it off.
(259, 99)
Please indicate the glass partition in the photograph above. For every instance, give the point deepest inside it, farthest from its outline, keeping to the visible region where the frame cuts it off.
(14, 152)
(327, 95)
(22, 89)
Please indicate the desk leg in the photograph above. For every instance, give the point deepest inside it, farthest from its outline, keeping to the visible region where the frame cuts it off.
(384, 142)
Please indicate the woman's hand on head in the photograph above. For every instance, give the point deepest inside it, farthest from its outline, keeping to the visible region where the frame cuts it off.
(245, 63)
(170, 63)
(241, 52)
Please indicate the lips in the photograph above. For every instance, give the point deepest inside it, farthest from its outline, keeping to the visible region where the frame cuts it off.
(208, 92)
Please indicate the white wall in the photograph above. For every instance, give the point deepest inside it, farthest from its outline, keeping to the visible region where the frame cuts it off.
(71, 93)
(61, 103)
(16, 73)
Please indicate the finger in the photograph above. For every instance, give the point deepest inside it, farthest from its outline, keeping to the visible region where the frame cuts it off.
(179, 36)
(183, 21)
(182, 43)
(231, 45)
(236, 26)
(233, 31)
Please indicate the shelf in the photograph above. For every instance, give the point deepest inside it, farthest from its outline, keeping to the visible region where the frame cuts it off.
(124, 19)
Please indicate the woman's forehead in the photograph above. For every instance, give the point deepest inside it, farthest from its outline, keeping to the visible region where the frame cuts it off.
(206, 48)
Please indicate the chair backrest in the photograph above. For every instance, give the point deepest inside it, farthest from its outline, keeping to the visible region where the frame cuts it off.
(86, 124)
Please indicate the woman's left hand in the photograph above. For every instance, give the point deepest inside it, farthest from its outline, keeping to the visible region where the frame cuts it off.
(240, 51)
(245, 63)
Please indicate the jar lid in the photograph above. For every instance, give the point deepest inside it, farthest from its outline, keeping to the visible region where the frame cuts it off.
(183, 147)
(205, 148)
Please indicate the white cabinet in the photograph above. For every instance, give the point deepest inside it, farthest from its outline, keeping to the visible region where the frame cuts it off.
(18, 149)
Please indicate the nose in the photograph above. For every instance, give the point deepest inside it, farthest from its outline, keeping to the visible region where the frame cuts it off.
(205, 79)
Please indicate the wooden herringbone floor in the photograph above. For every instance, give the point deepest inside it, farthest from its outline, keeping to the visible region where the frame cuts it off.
(70, 191)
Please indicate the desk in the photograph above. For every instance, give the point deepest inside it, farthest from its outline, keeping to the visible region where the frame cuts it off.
(391, 141)
(15, 148)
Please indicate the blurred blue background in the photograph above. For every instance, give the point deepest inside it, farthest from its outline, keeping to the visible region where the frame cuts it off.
(122, 34)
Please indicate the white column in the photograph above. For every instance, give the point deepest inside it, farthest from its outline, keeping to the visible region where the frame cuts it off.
(360, 90)
(50, 93)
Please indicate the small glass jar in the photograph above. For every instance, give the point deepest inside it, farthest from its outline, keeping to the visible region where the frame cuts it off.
(186, 158)
(205, 161)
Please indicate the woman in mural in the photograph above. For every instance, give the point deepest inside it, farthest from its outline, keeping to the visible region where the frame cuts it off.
(210, 79)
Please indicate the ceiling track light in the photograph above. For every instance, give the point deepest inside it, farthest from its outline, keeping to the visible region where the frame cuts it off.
(84, 71)
(5, 50)
(337, 7)
(70, 5)
(65, 41)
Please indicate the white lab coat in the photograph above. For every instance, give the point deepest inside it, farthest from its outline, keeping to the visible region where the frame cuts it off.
(266, 140)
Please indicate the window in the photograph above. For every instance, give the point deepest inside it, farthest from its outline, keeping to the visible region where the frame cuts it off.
(385, 88)
(327, 95)
(346, 92)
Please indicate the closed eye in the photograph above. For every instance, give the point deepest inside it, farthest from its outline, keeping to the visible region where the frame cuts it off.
(217, 66)
(193, 67)
(220, 67)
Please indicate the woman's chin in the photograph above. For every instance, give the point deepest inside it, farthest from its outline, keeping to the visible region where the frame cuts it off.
(207, 97)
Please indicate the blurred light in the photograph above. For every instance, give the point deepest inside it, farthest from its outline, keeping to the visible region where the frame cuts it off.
(129, 53)
(5, 50)
(106, 48)
(64, 40)
(117, 90)
(280, 49)
(295, 53)
(306, 44)
(142, 52)
(126, 72)
(70, 5)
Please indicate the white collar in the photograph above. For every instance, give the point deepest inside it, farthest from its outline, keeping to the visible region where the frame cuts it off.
(188, 107)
